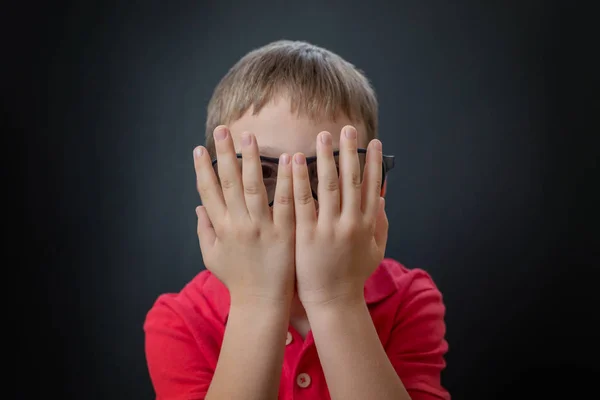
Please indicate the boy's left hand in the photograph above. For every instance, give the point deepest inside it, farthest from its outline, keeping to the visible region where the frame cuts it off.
(341, 245)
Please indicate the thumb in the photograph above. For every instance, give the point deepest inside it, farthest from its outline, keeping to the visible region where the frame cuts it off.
(381, 225)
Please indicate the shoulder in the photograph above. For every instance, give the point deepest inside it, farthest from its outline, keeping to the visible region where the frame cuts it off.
(400, 296)
(392, 279)
(410, 281)
(201, 301)
(183, 335)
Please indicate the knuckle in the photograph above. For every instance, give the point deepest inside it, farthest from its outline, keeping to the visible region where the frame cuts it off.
(202, 187)
(331, 184)
(248, 232)
(227, 184)
(251, 189)
(355, 180)
(304, 198)
(284, 199)
(378, 183)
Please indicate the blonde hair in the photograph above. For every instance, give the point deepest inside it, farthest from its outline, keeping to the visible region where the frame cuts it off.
(317, 82)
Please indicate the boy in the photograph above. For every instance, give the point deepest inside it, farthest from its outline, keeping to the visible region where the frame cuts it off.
(297, 300)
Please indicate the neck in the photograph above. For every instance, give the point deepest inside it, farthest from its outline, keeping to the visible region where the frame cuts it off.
(297, 309)
(298, 318)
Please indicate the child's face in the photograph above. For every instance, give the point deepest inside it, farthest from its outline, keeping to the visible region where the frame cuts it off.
(278, 130)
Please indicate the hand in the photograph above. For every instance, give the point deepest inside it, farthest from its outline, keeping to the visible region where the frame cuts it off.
(248, 246)
(341, 245)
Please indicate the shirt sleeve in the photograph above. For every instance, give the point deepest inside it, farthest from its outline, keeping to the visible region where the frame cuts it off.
(178, 368)
(417, 345)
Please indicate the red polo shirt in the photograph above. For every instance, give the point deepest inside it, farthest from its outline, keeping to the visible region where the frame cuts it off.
(184, 333)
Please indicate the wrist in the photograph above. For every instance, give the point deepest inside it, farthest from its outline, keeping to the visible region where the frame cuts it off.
(335, 303)
(337, 316)
(250, 302)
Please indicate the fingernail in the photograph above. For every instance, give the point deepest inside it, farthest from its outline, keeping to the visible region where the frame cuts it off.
(284, 159)
(350, 133)
(198, 151)
(246, 139)
(220, 134)
(377, 144)
(325, 138)
(299, 158)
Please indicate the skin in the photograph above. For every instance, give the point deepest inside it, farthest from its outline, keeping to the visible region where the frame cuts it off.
(277, 132)
(294, 264)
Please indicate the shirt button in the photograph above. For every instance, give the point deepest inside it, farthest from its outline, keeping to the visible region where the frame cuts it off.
(303, 380)
(288, 339)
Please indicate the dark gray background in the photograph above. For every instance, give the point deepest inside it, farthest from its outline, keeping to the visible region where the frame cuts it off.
(480, 103)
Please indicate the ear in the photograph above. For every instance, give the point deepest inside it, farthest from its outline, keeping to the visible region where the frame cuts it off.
(383, 188)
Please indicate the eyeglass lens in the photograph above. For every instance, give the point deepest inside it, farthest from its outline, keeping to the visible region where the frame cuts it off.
(269, 172)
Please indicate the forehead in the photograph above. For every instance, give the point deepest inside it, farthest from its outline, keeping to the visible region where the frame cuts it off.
(279, 130)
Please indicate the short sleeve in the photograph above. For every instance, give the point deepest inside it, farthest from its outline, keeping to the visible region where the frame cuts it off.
(178, 368)
(417, 345)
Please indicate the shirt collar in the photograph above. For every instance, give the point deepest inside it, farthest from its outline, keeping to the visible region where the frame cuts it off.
(379, 286)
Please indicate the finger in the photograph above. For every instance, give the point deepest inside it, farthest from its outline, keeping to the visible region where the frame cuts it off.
(283, 206)
(328, 188)
(381, 226)
(208, 187)
(371, 185)
(229, 173)
(349, 172)
(205, 230)
(304, 203)
(255, 193)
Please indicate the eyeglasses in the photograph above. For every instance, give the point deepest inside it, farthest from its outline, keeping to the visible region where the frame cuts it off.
(271, 164)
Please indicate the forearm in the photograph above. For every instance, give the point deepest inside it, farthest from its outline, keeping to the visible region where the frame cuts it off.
(251, 356)
(344, 334)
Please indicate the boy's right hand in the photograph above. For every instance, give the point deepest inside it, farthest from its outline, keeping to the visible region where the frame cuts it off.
(248, 246)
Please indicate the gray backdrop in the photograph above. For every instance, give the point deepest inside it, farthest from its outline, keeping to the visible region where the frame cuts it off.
(472, 104)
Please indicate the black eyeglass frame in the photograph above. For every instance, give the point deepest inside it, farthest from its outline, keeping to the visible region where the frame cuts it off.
(388, 162)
